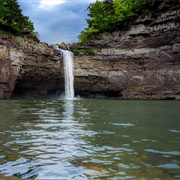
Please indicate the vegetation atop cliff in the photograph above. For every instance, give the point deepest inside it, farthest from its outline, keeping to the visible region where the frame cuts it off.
(110, 15)
(13, 21)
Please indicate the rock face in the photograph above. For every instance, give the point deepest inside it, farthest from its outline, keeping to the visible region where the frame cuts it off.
(28, 68)
(140, 63)
(7, 79)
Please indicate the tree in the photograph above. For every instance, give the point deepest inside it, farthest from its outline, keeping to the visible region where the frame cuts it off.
(11, 18)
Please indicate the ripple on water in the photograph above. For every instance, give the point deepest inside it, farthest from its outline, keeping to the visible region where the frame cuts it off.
(174, 131)
(123, 124)
(177, 153)
(128, 166)
(1, 156)
(169, 166)
(79, 140)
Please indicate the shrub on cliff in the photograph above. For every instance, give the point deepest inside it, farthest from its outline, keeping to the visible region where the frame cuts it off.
(12, 20)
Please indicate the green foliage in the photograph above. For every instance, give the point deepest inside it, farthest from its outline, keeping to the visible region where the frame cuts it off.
(88, 33)
(109, 15)
(54, 45)
(81, 51)
(3, 32)
(12, 20)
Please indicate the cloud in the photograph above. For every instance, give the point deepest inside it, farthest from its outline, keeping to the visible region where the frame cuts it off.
(57, 20)
(48, 4)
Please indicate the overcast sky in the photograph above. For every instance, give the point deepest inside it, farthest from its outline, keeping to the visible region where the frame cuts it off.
(57, 21)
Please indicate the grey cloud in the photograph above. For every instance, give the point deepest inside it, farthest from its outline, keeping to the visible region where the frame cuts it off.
(62, 23)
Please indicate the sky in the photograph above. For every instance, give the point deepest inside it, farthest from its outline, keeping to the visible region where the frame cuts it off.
(57, 21)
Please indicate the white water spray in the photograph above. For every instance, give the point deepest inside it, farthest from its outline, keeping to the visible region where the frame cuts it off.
(68, 74)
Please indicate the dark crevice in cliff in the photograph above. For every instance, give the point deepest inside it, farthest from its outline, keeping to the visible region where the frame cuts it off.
(38, 87)
(21, 93)
(100, 94)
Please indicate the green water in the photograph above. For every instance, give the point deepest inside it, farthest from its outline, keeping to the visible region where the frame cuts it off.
(90, 139)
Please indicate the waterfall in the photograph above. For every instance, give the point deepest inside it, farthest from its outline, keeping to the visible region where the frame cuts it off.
(68, 74)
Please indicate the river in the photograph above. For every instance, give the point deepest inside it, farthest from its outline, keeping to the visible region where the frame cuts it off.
(89, 139)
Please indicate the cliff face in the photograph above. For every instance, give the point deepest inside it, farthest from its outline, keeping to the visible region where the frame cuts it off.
(28, 68)
(140, 63)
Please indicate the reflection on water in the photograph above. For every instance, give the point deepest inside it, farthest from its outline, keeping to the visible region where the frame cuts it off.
(90, 139)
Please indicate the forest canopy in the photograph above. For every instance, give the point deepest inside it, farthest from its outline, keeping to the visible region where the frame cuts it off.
(12, 20)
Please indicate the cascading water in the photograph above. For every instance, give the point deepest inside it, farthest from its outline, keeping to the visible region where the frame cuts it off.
(68, 74)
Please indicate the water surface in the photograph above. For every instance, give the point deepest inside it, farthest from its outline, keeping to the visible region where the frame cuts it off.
(90, 139)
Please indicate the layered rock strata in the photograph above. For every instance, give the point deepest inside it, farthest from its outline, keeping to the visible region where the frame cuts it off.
(28, 68)
(140, 63)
